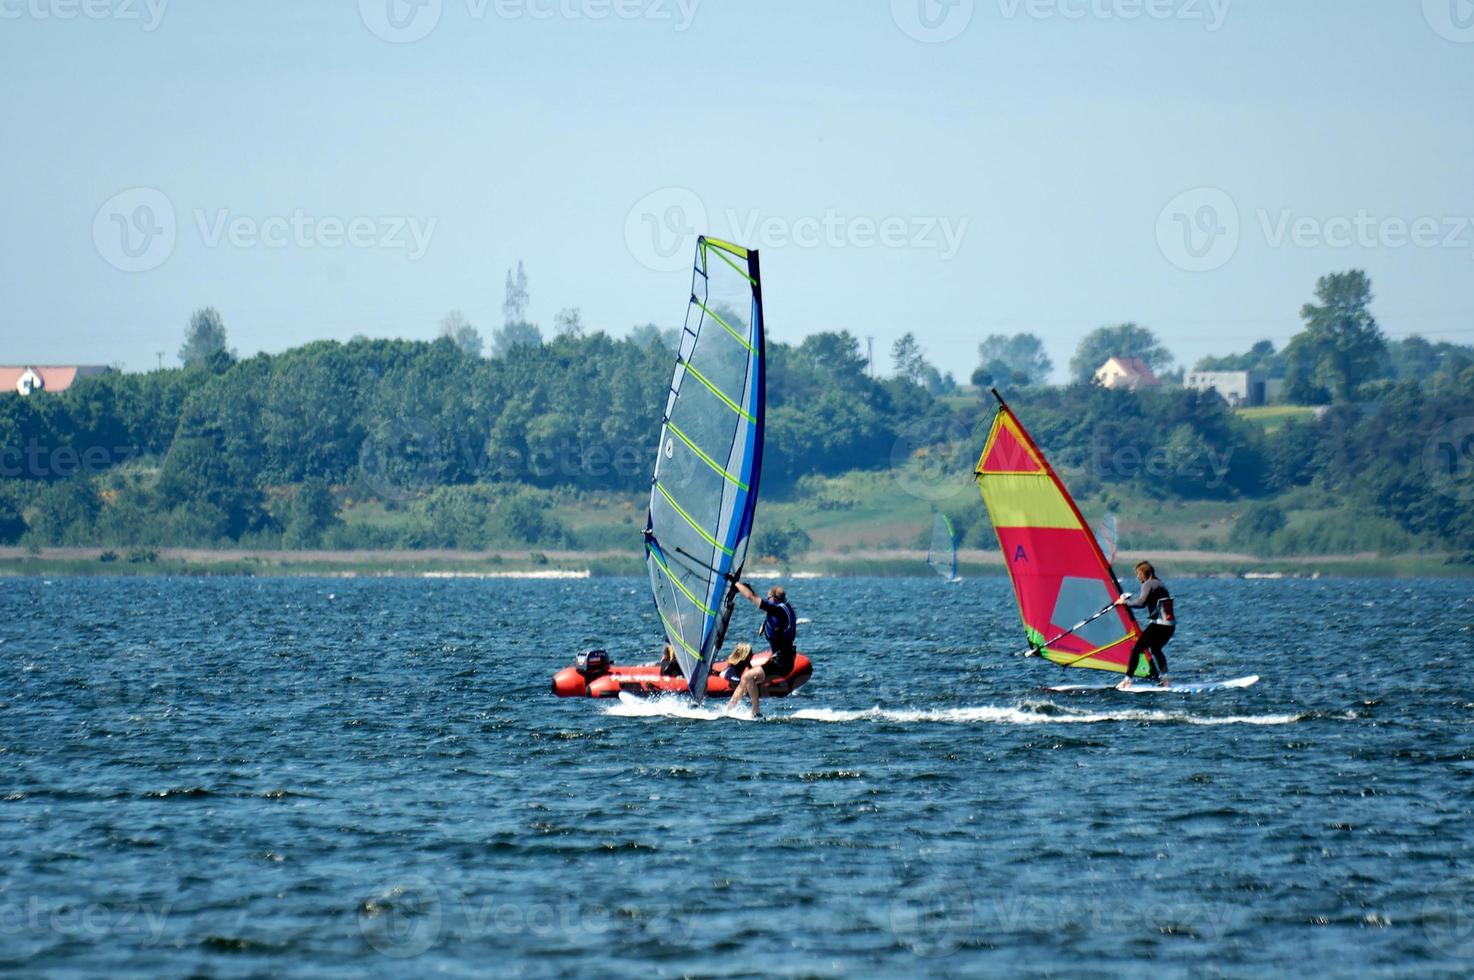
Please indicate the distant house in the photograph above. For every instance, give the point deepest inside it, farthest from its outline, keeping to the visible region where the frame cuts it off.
(1241, 389)
(45, 377)
(1126, 372)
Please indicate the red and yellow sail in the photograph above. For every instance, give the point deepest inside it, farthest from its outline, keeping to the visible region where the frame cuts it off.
(1055, 563)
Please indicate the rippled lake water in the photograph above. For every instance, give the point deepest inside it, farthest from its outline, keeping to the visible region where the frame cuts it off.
(326, 777)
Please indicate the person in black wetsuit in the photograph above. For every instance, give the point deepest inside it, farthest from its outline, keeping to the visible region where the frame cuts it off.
(669, 666)
(1157, 601)
(781, 631)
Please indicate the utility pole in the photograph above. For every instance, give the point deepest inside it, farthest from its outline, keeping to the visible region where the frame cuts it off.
(870, 355)
(161, 359)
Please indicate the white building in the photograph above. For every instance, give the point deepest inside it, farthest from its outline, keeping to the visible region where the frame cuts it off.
(1239, 388)
(1126, 372)
(27, 379)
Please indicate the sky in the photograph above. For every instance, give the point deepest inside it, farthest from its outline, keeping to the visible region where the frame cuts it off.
(951, 168)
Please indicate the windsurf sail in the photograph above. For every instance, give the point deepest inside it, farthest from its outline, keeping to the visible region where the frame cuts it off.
(1105, 536)
(942, 554)
(1059, 574)
(704, 489)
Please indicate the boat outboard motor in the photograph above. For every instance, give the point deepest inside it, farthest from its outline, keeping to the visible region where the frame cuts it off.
(593, 663)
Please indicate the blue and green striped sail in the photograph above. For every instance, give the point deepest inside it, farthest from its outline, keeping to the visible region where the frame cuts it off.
(711, 446)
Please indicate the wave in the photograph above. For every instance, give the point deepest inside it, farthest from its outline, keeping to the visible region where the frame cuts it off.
(674, 706)
(677, 706)
(987, 714)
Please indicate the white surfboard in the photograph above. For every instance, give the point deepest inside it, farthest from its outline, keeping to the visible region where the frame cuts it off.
(1147, 687)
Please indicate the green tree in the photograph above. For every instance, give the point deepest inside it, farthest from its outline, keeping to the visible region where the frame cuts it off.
(64, 512)
(1013, 360)
(1257, 526)
(516, 334)
(525, 518)
(1341, 347)
(647, 335)
(204, 341)
(836, 356)
(1262, 357)
(782, 543)
(569, 323)
(908, 360)
(459, 329)
(313, 512)
(12, 524)
(514, 308)
(1123, 340)
(212, 495)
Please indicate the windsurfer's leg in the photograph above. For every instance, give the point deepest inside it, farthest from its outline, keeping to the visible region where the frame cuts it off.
(746, 687)
(752, 680)
(1159, 653)
(1137, 649)
(739, 691)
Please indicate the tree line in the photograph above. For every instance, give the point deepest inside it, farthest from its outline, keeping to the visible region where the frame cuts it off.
(465, 450)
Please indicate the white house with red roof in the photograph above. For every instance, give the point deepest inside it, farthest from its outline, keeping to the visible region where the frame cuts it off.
(1126, 372)
(30, 378)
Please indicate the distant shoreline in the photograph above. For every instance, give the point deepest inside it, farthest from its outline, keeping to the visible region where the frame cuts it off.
(560, 564)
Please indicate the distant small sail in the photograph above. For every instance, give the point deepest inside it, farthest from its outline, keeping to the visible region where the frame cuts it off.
(941, 555)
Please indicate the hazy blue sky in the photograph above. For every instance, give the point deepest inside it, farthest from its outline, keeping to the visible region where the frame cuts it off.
(1045, 165)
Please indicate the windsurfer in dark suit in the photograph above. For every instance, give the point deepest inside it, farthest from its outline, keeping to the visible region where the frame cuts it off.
(781, 630)
(669, 666)
(1157, 601)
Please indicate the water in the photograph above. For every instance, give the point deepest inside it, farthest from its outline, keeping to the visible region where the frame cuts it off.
(250, 777)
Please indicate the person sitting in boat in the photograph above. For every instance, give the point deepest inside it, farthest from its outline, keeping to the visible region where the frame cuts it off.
(738, 661)
(781, 631)
(669, 666)
(1155, 599)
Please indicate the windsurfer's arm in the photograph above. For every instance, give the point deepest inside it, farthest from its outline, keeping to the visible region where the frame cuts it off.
(1130, 601)
(745, 590)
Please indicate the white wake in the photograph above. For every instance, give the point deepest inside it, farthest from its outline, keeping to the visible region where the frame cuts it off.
(987, 714)
(675, 706)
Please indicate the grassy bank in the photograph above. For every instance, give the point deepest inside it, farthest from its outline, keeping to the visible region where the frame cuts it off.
(874, 522)
(867, 562)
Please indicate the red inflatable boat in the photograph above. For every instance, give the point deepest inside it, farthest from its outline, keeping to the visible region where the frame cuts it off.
(606, 680)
